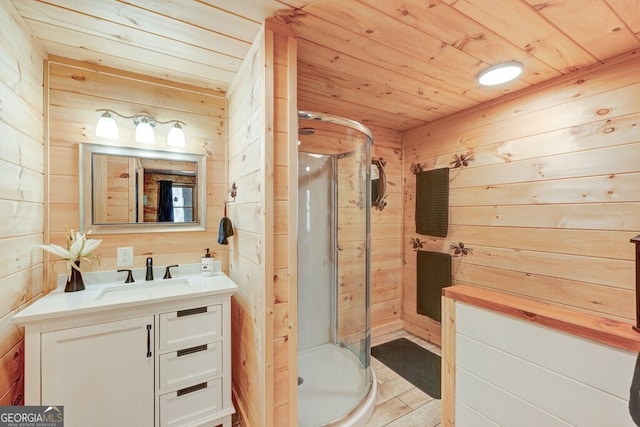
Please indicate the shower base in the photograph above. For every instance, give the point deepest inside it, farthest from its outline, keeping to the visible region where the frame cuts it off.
(333, 385)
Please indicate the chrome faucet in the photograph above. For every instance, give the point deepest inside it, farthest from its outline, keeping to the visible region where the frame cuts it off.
(149, 275)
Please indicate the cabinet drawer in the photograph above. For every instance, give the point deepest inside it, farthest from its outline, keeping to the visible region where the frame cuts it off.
(191, 404)
(184, 367)
(185, 328)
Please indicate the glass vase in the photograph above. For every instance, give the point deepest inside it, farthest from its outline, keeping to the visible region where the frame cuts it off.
(74, 281)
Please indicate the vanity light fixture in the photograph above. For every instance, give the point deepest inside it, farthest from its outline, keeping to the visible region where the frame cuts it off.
(176, 136)
(144, 129)
(107, 128)
(500, 73)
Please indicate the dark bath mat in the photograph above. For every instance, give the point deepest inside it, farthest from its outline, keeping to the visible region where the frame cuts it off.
(415, 364)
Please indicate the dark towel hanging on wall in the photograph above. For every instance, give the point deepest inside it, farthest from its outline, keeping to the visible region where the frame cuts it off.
(432, 202)
(225, 230)
(433, 274)
(165, 201)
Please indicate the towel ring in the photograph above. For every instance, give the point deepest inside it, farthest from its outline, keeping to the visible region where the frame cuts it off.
(379, 185)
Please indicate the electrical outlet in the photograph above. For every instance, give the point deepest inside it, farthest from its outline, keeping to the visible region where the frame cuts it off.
(125, 257)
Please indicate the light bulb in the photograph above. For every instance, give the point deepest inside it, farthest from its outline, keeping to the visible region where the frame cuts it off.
(107, 127)
(176, 136)
(144, 132)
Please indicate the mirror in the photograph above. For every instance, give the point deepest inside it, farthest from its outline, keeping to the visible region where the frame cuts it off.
(378, 184)
(130, 190)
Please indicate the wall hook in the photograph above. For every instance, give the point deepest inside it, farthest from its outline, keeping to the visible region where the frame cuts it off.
(459, 249)
(416, 243)
(416, 168)
(462, 160)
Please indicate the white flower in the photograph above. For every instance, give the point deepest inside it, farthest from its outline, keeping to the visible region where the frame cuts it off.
(78, 248)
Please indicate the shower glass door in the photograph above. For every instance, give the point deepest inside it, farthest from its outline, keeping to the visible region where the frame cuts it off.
(351, 253)
(334, 373)
(317, 250)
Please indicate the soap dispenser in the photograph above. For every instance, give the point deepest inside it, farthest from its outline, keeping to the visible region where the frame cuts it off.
(207, 264)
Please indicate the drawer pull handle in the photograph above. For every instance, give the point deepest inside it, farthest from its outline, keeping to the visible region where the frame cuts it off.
(148, 340)
(192, 311)
(191, 389)
(192, 350)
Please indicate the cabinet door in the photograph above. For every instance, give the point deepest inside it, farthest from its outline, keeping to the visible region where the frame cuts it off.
(102, 374)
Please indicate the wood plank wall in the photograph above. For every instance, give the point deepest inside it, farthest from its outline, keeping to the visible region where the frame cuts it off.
(263, 258)
(22, 190)
(551, 200)
(386, 231)
(285, 207)
(76, 90)
(247, 129)
(387, 237)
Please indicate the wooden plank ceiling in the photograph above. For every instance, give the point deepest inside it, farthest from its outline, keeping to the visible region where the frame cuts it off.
(392, 63)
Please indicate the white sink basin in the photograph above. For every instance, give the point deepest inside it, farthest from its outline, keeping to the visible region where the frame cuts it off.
(145, 290)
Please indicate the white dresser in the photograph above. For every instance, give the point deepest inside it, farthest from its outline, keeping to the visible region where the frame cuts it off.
(147, 354)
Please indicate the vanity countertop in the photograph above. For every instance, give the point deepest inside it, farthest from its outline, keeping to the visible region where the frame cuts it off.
(113, 295)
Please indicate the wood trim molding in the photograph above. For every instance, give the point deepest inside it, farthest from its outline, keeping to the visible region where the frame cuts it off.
(607, 331)
(267, 201)
(135, 76)
(292, 228)
(448, 368)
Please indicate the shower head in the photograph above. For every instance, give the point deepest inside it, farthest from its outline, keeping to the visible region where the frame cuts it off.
(306, 131)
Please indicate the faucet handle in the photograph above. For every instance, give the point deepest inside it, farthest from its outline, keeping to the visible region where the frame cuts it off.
(167, 271)
(129, 276)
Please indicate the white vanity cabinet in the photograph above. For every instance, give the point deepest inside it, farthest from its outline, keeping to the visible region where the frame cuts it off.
(164, 362)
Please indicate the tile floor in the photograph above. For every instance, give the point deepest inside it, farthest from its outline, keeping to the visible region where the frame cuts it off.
(399, 403)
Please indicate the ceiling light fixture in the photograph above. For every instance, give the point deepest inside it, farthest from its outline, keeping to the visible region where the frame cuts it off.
(500, 73)
(107, 128)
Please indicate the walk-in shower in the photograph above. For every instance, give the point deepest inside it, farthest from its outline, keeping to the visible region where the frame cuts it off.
(336, 384)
